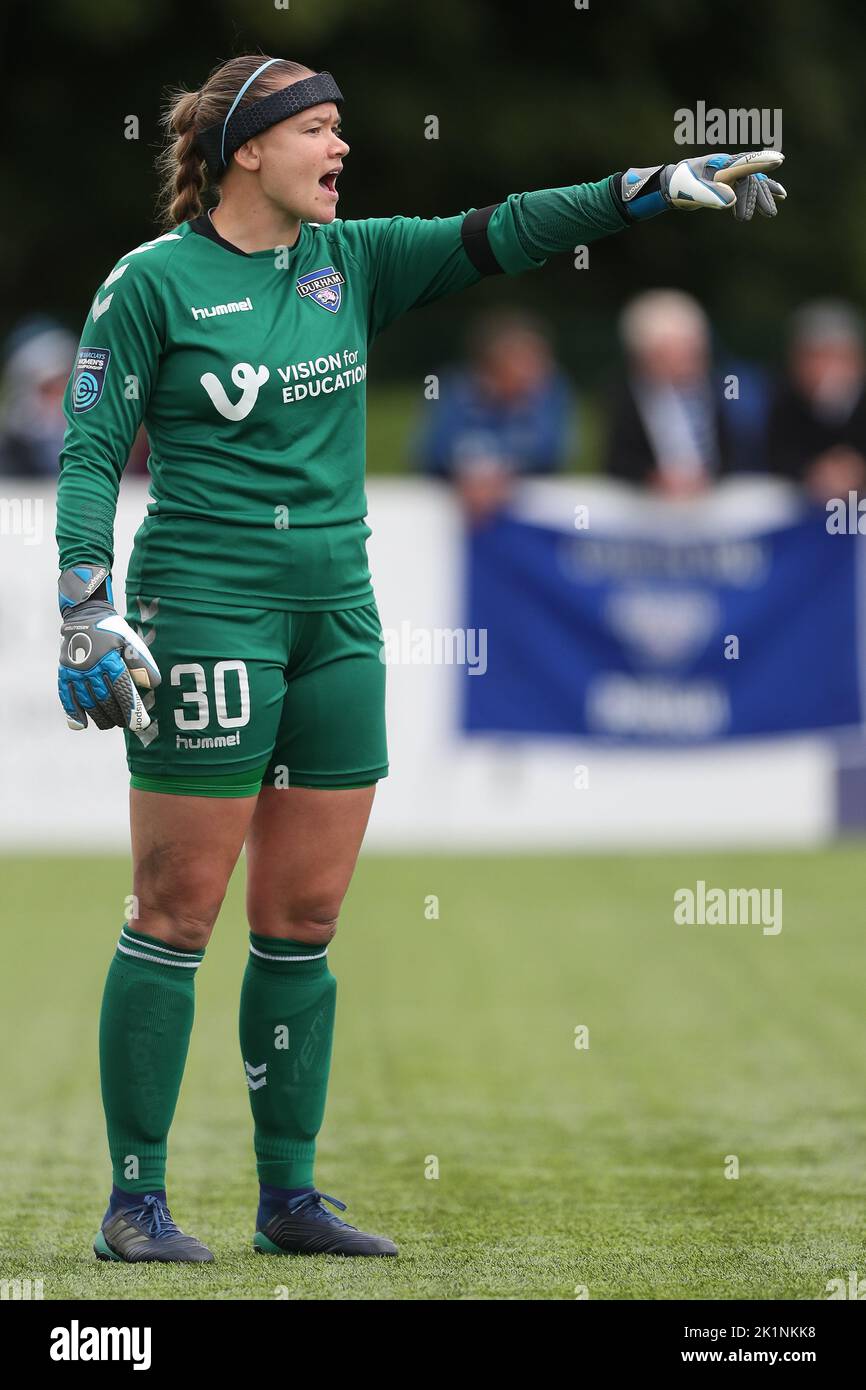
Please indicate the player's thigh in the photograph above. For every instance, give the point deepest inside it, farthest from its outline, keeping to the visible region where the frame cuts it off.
(184, 850)
(330, 752)
(302, 847)
(196, 770)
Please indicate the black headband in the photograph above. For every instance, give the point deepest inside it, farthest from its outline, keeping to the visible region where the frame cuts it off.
(218, 142)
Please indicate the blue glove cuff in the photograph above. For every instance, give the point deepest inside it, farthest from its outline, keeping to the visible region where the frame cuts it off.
(640, 193)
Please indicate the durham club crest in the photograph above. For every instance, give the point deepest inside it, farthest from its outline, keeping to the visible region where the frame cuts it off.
(322, 286)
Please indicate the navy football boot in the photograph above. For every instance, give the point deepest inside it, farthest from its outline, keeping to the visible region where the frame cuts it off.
(145, 1231)
(304, 1226)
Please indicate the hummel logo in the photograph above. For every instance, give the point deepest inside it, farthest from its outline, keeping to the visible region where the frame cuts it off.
(256, 1071)
(234, 306)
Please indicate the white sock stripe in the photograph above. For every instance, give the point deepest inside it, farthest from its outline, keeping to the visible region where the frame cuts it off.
(153, 945)
(144, 955)
(277, 955)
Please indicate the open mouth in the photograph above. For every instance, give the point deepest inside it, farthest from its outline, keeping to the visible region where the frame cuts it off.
(329, 181)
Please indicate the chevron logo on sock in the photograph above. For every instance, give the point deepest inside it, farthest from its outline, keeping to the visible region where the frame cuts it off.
(258, 1072)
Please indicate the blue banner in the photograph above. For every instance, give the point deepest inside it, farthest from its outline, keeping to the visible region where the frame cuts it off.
(641, 639)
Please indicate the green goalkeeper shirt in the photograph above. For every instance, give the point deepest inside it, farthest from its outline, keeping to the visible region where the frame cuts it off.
(249, 373)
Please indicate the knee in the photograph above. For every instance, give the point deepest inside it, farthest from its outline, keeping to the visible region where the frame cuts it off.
(316, 931)
(315, 926)
(177, 900)
(186, 924)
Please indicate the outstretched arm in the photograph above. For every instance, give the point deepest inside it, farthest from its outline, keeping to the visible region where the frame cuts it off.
(406, 262)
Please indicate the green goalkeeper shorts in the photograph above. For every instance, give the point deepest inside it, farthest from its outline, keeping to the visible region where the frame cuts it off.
(253, 697)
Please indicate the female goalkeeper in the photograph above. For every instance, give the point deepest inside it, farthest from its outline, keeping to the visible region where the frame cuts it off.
(247, 672)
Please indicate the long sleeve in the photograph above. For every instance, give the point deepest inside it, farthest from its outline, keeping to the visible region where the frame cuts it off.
(558, 219)
(104, 404)
(411, 261)
(408, 262)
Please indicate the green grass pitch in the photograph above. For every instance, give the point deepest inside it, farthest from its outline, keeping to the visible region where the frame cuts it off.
(558, 1169)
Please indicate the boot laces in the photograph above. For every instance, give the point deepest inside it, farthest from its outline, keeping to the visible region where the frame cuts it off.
(311, 1204)
(154, 1215)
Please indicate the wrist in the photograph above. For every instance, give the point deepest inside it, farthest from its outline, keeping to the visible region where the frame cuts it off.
(83, 583)
(642, 193)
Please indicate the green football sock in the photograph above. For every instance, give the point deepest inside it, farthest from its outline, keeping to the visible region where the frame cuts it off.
(287, 1008)
(144, 1029)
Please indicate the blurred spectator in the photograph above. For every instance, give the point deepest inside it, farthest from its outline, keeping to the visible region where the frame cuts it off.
(817, 432)
(38, 360)
(504, 415)
(666, 425)
(746, 417)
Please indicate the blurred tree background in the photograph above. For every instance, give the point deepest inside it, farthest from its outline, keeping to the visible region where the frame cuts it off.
(527, 97)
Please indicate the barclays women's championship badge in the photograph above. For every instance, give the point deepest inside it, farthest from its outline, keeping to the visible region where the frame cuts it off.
(89, 377)
(323, 287)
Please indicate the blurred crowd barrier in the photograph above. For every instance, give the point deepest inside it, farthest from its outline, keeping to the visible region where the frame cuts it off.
(594, 667)
(634, 619)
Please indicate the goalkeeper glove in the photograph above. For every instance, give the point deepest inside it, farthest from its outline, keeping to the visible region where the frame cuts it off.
(738, 181)
(102, 661)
